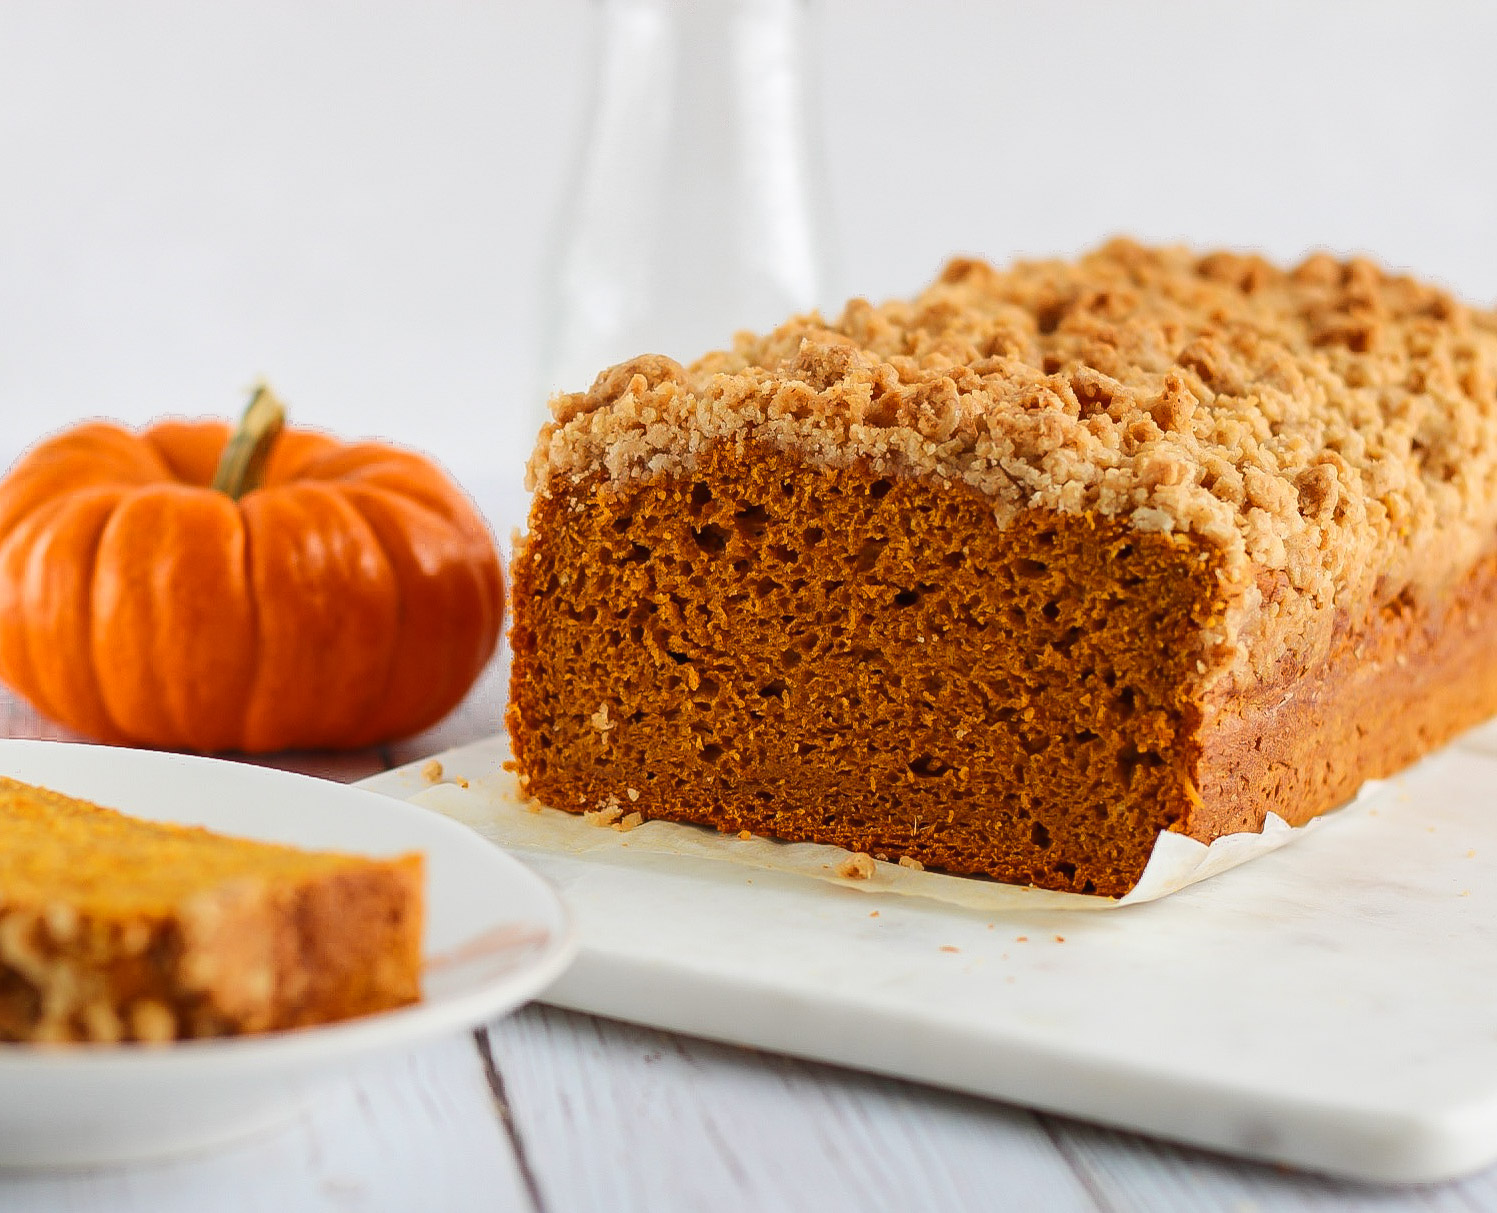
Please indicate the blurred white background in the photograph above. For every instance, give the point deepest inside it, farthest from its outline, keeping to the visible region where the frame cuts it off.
(354, 198)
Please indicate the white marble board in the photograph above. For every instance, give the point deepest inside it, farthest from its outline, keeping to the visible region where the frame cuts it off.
(1332, 1005)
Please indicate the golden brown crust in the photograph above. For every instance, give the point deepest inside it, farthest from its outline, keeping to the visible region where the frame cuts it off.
(1404, 683)
(116, 929)
(1333, 427)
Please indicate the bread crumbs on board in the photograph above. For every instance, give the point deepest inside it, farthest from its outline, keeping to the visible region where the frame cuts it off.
(859, 866)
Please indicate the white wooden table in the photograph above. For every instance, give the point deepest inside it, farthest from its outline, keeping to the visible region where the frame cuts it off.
(553, 1111)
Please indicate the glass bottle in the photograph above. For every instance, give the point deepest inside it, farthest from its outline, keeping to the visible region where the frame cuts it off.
(696, 205)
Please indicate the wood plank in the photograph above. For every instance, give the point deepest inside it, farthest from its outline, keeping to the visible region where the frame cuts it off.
(409, 1132)
(1130, 1174)
(616, 1117)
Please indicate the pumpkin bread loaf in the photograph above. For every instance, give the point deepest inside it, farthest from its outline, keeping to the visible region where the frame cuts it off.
(113, 928)
(1012, 577)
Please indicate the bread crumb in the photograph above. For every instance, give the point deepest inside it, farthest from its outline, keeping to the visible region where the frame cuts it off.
(1060, 939)
(600, 721)
(152, 1022)
(746, 835)
(859, 866)
(633, 793)
(62, 921)
(102, 1023)
(1021, 939)
(432, 771)
(460, 781)
(913, 864)
(872, 913)
(946, 947)
(607, 812)
(630, 821)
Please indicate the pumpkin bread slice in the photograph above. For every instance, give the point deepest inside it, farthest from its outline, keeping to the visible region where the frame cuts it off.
(113, 928)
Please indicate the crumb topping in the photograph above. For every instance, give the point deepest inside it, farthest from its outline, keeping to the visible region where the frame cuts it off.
(1331, 428)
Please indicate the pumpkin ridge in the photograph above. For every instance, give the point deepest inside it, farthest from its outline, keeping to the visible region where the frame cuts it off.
(16, 624)
(183, 445)
(403, 473)
(297, 451)
(192, 707)
(102, 442)
(446, 673)
(93, 656)
(319, 714)
(246, 703)
(127, 616)
(94, 457)
(40, 615)
(401, 609)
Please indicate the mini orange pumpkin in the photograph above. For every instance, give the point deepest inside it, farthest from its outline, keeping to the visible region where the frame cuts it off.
(352, 599)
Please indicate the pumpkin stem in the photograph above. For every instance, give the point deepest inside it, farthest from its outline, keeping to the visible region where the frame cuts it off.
(242, 464)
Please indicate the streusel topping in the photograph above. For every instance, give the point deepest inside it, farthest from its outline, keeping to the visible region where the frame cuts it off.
(1331, 428)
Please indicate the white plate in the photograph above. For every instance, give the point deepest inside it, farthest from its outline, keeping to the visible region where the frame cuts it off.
(503, 931)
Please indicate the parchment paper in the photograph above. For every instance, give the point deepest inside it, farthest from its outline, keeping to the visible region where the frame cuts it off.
(492, 806)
